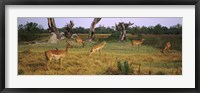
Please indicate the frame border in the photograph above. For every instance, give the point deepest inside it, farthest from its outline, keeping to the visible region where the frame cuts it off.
(3, 3)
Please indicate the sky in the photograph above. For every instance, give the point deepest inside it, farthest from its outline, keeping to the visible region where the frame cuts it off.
(107, 22)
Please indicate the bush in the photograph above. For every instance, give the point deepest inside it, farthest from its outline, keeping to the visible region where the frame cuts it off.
(123, 67)
(115, 37)
(26, 36)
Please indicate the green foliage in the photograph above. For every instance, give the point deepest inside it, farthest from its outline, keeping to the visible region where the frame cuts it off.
(140, 36)
(114, 36)
(28, 31)
(123, 67)
(98, 30)
(104, 30)
(159, 42)
(119, 65)
(80, 30)
(126, 68)
(158, 29)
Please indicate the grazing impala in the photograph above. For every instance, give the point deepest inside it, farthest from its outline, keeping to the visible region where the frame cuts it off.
(167, 47)
(97, 47)
(56, 54)
(137, 42)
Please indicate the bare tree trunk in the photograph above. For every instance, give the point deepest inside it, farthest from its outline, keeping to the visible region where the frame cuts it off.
(123, 31)
(68, 32)
(92, 28)
(52, 27)
(122, 28)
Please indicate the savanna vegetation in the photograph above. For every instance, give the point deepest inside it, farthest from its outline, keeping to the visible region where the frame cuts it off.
(115, 58)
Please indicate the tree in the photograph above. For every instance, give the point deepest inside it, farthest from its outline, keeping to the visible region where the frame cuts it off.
(144, 30)
(52, 27)
(20, 27)
(176, 29)
(29, 31)
(158, 29)
(92, 28)
(122, 28)
(68, 28)
(80, 30)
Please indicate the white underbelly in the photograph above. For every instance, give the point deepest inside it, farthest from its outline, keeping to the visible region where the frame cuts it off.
(97, 49)
(57, 57)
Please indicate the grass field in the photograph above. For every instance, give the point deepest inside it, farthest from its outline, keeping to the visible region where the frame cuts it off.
(151, 61)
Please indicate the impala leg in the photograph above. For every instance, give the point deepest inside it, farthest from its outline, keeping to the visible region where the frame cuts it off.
(47, 65)
(99, 52)
(164, 49)
(60, 62)
(83, 44)
(91, 53)
(168, 49)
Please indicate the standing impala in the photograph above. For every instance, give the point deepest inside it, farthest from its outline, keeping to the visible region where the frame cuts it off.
(56, 54)
(137, 42)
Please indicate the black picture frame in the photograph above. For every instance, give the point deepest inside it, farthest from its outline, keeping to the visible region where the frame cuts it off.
(3, 3)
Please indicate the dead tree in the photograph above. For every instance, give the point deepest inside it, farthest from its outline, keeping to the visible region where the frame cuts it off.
(68, 28)
(92, 28)
(122, 27)
(52, 27)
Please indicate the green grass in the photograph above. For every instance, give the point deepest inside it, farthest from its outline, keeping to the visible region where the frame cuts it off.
(32, 60)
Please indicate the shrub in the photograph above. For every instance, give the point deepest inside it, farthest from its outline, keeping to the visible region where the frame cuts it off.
(123, 67)
(29, 31)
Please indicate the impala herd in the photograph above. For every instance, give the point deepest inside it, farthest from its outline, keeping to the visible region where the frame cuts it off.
(60, 54)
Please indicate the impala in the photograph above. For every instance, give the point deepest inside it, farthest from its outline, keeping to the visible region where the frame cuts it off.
(137, 42)
(167, 47)
(97, 47)
(78, 39)
(56, 54)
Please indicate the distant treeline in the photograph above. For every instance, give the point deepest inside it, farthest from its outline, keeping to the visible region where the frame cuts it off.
(158, 29)
(28, 31)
